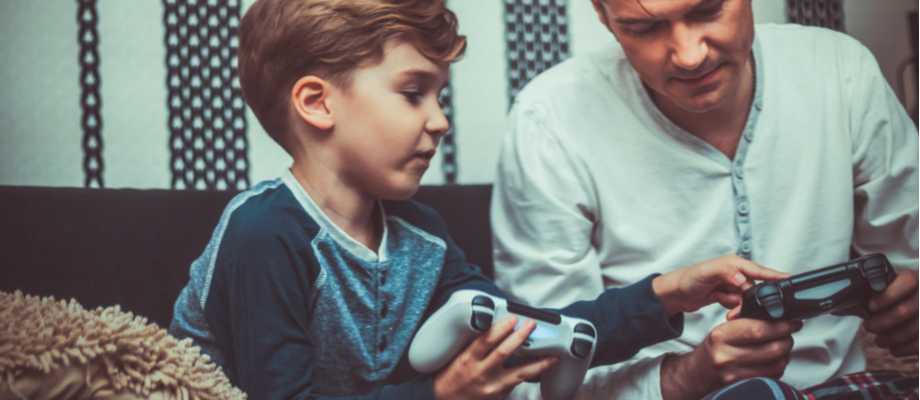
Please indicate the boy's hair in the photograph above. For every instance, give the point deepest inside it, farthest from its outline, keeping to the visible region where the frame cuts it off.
(282, 41)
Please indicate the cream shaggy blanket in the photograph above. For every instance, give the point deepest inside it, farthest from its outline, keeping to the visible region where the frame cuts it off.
(113, 352)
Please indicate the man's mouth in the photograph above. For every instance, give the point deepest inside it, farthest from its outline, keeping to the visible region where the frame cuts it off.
(700, 79)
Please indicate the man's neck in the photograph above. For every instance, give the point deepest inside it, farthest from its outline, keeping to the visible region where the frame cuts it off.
(723, 126)
(352, 211)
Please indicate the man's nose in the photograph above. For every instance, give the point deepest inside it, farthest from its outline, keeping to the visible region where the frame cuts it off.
(689, 48)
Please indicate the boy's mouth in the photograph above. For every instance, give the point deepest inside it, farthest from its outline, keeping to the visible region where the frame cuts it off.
(425, 156)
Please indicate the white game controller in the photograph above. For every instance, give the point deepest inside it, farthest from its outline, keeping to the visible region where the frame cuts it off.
(468, 313)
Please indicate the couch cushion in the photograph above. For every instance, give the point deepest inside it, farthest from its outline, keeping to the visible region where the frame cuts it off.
(103, 246)
(134, 247)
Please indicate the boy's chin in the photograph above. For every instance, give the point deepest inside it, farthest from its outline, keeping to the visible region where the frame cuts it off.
(397, 191)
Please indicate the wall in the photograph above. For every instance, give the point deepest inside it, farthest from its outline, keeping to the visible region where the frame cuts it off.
(40, 113)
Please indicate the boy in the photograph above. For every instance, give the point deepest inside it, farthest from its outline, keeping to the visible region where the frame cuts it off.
(315, 283)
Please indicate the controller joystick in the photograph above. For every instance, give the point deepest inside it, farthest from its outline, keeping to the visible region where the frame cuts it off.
(468, 313)
(818, 292)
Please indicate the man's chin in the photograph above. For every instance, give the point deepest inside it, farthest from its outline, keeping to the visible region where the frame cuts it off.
(700, 104)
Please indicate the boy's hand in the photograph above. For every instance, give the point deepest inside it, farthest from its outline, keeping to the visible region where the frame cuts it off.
(718, 280)
(477, 372)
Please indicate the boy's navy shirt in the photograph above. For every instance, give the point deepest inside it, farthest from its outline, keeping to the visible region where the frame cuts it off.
(293, 308)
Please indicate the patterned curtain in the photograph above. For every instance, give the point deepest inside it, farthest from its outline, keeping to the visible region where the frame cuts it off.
(537, 39)
(90, 101)
(824, 13)
(207, 115)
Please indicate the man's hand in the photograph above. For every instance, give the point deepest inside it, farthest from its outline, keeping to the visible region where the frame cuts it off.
(893, 315)
(718, 280)
(736, 350)
(477, 372)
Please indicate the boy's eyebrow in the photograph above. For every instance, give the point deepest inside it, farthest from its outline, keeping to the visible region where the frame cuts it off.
(634, 21)
(424, 76)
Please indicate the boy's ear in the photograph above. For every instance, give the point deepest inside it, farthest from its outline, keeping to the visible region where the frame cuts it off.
(311, 101)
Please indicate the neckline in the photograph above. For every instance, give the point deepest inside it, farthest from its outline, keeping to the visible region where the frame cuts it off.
(691, 141)
(345, 240)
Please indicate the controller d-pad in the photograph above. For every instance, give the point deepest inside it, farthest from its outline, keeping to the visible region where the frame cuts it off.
(481, 321)
(484, 301)
(585, 329)
(772, 300)
(876, 273)
(581, 348)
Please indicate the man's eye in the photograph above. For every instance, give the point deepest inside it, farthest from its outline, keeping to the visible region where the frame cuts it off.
(644, 29)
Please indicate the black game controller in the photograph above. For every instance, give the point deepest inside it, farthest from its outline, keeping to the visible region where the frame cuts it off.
(818, 292)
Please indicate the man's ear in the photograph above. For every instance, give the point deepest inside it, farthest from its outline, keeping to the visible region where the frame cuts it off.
(601, 12)
(310, 96)
(602, 15)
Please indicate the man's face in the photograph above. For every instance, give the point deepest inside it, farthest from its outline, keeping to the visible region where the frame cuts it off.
(689, 52)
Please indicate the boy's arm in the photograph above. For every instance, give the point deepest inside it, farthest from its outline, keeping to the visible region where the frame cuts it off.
(627, 319)
(257, 309)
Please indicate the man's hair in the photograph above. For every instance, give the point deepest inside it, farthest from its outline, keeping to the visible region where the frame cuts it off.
(282, 41)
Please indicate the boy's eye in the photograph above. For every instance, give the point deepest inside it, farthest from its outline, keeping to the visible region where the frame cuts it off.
(413, 96)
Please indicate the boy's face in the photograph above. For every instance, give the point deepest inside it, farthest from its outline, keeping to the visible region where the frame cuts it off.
(691, 52)
(387, 125)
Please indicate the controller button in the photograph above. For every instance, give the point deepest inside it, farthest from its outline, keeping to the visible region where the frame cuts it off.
(586, 329)
(581, 348)
(484, 301)
(527, 343)
(481, 321)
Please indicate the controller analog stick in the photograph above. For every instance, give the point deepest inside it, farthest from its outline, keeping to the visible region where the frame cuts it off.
(481, 321)
(772, 300)
(585, 329)
(581, 347)
(876, 273)
(483, 301)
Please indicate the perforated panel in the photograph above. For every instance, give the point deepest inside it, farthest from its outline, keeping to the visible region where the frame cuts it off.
(207, 119)
(537, 35)
(90, 101)
(824, 13)
(448, 147)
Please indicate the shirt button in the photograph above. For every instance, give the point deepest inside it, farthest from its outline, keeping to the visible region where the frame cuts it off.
(742, 208)
(749, 135)
(383, 278)
(739, 172)
(383, 312)
(746, 247)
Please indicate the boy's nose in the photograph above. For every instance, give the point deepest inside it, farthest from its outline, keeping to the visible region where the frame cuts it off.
(437, 124)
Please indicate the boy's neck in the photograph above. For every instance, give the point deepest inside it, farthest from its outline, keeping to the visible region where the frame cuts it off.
(352, 211)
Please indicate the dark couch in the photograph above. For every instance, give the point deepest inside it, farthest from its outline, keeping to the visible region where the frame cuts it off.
(134, 247)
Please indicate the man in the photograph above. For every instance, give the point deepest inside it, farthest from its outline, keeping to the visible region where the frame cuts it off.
(695, 137)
